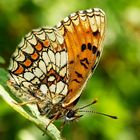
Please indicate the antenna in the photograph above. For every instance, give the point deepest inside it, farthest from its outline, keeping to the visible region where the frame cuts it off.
(85, 106)
(113, 117)
(93, 102)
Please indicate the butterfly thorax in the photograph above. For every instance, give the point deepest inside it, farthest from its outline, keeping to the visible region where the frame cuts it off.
(51, 111)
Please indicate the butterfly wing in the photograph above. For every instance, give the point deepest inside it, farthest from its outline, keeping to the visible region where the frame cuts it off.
(39, 65)
(57, 62)
(83, 33)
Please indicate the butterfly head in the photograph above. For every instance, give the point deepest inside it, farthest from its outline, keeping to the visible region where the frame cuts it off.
(72, 115)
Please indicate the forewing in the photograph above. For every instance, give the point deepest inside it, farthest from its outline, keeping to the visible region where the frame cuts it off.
(83, 33)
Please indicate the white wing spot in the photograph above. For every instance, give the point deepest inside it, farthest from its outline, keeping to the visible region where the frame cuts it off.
(40, 34)
(51, 78)
(73, 14)
(51, 36)
(28, 48)
(32, 39)
(63, 58)
(60, 86)
(52, 88)
(58, 59)
(66, 19)
(65, 91)
(44, 89)
(46, 58)
(37, 72)
(51, 56)
(42, 66)
(63, 71)
(28, 76)
(89, 10)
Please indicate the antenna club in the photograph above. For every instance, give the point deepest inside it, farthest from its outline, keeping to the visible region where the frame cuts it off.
(114, 117)
(95, 101)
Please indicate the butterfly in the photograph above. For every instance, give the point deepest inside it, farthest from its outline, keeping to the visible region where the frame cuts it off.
(52, 65)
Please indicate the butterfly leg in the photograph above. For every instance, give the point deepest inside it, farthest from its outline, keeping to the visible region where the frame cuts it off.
(25, 103)
(51, 121)
(62, 126)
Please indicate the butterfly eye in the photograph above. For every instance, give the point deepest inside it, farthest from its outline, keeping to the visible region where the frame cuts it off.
(71, 114)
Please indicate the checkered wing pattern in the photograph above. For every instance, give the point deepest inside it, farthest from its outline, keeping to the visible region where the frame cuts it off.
(39, 65)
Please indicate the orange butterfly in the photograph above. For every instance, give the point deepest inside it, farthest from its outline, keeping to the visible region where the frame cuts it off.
(52, 65)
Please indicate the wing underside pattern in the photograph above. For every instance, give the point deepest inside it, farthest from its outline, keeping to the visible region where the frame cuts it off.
(54, 64)
(39, 65)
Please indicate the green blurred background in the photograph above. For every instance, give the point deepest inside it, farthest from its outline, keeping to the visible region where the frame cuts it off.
(116, 81)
